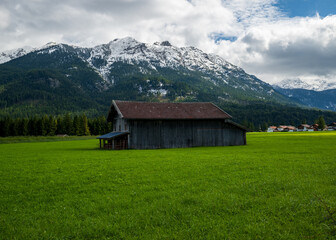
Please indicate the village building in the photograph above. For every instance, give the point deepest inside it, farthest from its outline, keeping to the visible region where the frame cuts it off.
(281, 128)
(315, 127)
(303, 127)
(148, 125)
(331, 127)
(290, 129)
(272, 129)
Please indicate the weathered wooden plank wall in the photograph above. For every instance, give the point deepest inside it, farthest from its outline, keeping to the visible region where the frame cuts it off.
(149, 134)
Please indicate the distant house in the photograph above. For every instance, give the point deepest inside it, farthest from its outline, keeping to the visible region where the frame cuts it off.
(281, 128)
(331, 127)
(272, 129)
(305, 127)
(145, 125)
(315, 127)
(290, 129)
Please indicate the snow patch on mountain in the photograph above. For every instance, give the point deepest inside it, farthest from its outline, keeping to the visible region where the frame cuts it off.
(164, 55)
(311, 84)
(15, 53)
(48, 48)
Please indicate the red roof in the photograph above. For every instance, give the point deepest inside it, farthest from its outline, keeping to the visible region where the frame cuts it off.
(155, 110)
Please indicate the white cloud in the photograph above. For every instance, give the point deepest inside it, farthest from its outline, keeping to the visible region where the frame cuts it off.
(4, 18)
(287, 48)
(268, 44)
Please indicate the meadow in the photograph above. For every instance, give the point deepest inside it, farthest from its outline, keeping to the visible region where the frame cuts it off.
(279, 186)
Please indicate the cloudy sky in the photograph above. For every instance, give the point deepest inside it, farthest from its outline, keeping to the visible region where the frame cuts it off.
(273, 39)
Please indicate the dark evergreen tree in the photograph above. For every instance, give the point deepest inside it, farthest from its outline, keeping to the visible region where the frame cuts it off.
(15, 127)
(6, 125)
(68, 124)
(264, 126)
(321, 123)
(251, 126)
(45, 125)
(76, 126)
(52, 126)
(84, 128)
(102, 125)
(25, 127)
(60, 125)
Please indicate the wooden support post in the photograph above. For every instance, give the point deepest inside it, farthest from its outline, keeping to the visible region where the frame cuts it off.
(99, 143)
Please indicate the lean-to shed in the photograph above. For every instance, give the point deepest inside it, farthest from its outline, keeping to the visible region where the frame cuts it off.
(148, 125)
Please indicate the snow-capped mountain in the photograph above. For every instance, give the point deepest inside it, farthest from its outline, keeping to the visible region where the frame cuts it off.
(315, 93)
(15, 53)
(154, 57)
(157, 55)
(9, 55)
(65, 75)
(314, 84)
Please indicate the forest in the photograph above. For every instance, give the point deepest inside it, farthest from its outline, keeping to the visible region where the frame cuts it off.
(49, 125)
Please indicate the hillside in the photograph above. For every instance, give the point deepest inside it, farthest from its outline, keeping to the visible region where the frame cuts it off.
(59, 75)
(318, 99)
(59, 78)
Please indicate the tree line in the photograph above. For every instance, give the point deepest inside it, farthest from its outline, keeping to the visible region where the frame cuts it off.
(49, 125)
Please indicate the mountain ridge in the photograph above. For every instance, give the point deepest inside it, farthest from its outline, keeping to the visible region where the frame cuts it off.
(58, 78)
(315, 84)
(157, 59)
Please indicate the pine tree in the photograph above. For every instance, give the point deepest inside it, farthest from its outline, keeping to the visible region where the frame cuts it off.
(60, 125)
(251, 126)
(92, 126)
(102, 125)
(38, 126)
(6, 127)
(245, 123)
(15, 127)
(31, 126)
(68, 124)
(25, 128)
(76, 126)
(52, 126)
(84, 128)
(321, 123)
(264, 126)
(45, 125)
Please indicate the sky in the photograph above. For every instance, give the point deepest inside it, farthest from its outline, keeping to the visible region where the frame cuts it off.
(272, 39)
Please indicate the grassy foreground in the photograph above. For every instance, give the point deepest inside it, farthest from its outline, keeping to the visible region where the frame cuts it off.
(279, 186)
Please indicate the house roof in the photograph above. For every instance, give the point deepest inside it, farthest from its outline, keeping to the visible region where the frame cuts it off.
(112, 135)
(291, 127)
(305, 125)
(155, 110)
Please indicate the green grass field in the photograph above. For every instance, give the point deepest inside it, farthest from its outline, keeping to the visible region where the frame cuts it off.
(279, 186)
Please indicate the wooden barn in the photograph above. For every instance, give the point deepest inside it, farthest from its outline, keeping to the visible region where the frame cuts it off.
(148, 125)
